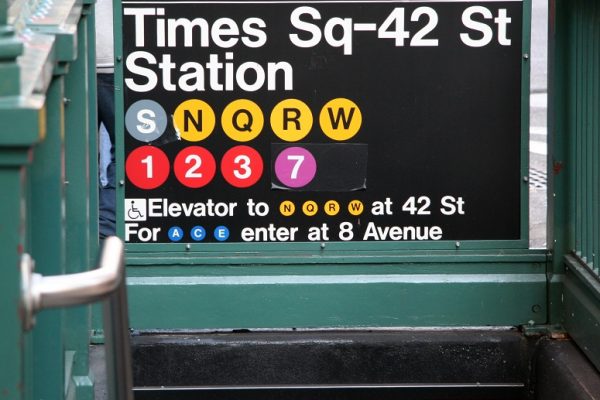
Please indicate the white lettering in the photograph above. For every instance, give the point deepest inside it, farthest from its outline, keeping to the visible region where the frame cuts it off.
(188, 32)
(146, 121)
(484, 29)
(502, 20)
(452, 205)
(135, 69)
(269, 234)
(345, 40)
(173, 32)
(375, 232)
(142, 234)
(250, 27)
(225, 27)
(314, 30)
(259, 73)
(161, 207)
(140, 30)
(192, 76)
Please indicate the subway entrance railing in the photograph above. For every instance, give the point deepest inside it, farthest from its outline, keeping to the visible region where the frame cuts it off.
(299, 168)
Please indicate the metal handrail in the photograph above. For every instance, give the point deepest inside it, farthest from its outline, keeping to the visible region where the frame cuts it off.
(105, 282)
(80, 288)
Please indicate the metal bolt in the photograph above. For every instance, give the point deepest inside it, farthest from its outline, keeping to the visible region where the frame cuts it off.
(525, 56)
(525, 179)
(66, 101)
(121, 182)
(119, 58)
(322, 245)
(66, 182)
(536, 308)
(188, 247)
(457, 244)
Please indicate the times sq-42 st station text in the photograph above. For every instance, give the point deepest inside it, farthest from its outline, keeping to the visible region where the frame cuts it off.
(152, 64)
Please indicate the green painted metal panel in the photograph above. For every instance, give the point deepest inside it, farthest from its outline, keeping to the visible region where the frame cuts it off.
(340, 258)
(471, 291)
(96, 313)
(337, 301)
(560, 226)
(11, 222)
(93, 134)
(77, 191)
(10, 49)
(42, 213)
(584, 128)
(525, 98)
(20, 121)
(582, 307)
(44, 349)
(9, 83)
(46, 227)
(77, 387)
(574, 101)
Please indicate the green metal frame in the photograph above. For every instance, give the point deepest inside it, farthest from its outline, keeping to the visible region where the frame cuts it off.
(574, 191)
(441, 290)
(80, 149)
(315, 249)
(282, 285)
(21, 116)
(47, 136)
(47, 221)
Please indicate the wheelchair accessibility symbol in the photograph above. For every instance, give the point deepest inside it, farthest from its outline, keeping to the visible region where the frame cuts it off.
(135, 209)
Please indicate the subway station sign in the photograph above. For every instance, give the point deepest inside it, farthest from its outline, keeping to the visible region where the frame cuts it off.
(324, 121)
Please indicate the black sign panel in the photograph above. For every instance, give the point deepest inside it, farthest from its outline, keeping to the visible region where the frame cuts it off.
(322, 121)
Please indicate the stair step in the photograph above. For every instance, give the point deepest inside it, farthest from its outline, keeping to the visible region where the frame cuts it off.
(325, 358)
(473, 391)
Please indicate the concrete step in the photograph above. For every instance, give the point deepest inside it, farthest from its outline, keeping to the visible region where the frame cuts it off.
(456, 364)
(460, 364)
